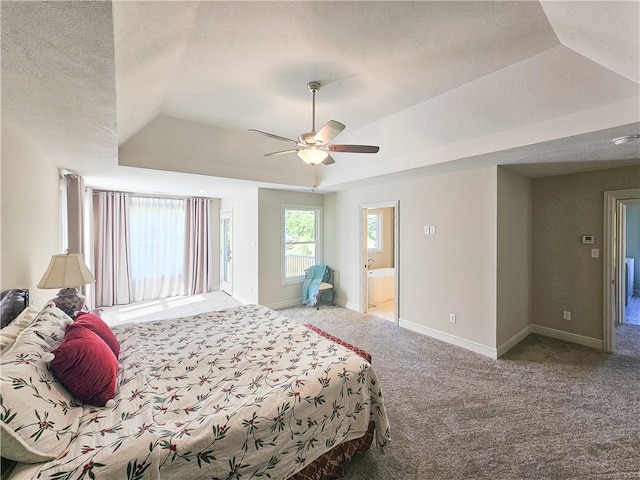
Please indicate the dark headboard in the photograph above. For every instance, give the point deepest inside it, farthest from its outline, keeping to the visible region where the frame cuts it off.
(12, 302)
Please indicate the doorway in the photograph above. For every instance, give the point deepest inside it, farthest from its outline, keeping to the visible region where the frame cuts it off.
(226, 262)
(632, 262)
(379, 260)
(619, 261)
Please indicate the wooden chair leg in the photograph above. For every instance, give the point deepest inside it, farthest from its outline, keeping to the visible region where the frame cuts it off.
(318, 301)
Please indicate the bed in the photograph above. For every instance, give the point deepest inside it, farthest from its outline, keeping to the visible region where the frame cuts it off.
(233, 394)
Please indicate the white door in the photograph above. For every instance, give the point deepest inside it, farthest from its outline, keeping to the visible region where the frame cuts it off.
(226, 262)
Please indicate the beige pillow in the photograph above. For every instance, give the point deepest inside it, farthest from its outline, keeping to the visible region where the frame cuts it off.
(9, 333)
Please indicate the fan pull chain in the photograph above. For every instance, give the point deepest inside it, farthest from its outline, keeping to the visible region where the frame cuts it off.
(313, 172)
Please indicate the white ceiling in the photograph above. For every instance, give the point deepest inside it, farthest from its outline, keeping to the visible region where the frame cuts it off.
(128, 93)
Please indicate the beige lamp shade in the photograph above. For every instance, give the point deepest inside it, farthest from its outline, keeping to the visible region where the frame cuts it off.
(66, 270)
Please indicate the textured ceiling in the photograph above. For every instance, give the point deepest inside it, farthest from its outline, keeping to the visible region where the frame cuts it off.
(126, 93)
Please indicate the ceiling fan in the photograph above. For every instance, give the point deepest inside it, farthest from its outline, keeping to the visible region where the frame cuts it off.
(314, 147)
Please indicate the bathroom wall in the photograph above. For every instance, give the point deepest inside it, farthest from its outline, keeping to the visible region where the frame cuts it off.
(633, 242)
(384, 258)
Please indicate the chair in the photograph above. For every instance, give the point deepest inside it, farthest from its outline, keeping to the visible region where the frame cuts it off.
(323, 286)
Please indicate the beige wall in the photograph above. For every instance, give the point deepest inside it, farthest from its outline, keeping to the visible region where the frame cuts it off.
(244, 243)
(453, 271)
(564, 276)
(30, 215)
(272, 293)
(514, 257)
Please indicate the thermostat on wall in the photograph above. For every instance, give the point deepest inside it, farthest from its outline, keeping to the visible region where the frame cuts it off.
(589, 239)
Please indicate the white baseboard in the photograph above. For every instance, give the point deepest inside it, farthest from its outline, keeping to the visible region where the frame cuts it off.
(351, 306)
(297, 302)
(452, 339)
(518, 337)
(513, 341)
(566, 336)
(243, 300)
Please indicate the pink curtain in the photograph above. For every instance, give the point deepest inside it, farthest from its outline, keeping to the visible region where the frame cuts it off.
(75, 213)
(111, 248)
(197, 254)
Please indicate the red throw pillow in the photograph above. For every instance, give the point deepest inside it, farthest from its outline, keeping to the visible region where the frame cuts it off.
(86, 366)
(97, 326)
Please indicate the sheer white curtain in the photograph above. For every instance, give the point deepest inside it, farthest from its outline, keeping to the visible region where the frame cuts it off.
(157, 247)
(111, 248)
(197, 254)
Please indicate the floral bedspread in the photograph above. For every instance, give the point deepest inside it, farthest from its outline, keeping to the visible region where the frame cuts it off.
(238, 394)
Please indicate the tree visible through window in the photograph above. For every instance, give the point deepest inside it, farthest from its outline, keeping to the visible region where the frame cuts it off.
(374, 231)
(301, 239)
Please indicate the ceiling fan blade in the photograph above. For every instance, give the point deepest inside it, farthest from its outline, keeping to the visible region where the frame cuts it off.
(353, 148)
(328, 161)
(283, 152)
(271, 135)
(329, 131)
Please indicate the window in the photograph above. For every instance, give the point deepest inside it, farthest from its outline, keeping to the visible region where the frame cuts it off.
(301, 241)
(157, 247)
(374, 232)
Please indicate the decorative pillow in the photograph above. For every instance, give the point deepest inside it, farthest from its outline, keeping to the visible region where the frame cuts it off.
(97, 326)
(38, 416)
(86, 366)
(50, 325)
(9, 333)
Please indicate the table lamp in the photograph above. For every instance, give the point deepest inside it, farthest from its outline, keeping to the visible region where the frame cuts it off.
(67, 271)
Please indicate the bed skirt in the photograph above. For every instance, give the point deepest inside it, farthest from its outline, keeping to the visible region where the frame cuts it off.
(334, 460)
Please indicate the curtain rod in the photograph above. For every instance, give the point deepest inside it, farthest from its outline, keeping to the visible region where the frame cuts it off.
(142, 195)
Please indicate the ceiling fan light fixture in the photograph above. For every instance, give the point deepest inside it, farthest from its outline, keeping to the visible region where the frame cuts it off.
(313, 147)
(312, 155)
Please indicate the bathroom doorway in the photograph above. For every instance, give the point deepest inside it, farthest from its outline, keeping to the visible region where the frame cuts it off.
(619, 275)
(379, 260)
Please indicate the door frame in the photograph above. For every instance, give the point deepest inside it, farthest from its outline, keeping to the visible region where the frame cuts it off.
(395, 205)
(226, 286)
(613, 304)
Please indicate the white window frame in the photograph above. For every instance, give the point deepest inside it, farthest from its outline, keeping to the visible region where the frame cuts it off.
(379, 232)
(317, 209)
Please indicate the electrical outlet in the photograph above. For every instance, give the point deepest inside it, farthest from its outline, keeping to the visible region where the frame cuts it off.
(426, 229)
(432, 229)
(452, 317)
(566, 315)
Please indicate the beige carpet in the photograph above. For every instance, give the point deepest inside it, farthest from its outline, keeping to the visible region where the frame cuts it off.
(546, 410)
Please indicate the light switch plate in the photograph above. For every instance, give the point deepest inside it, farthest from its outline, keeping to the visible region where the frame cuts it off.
(595, 253)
